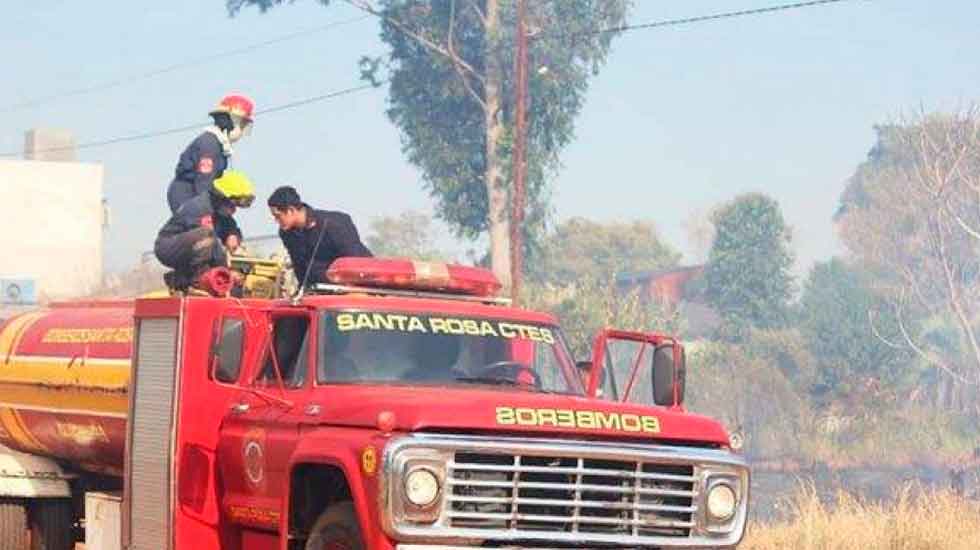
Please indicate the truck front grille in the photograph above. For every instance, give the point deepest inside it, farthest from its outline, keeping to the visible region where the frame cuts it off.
(571, 494)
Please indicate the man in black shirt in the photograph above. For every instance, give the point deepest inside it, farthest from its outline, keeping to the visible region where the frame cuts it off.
(314, 238)
(193, 239)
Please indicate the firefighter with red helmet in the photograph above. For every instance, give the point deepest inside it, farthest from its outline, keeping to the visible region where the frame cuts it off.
(206, 158)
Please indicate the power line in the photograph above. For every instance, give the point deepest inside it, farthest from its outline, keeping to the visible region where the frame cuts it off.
(175, 67)
(640, 26)
(370, 12)
(189, 127)
(711, 17)
(315, 99)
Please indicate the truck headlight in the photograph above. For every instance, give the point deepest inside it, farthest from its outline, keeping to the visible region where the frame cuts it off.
(421, 487)
(413, 486)
(722, 502)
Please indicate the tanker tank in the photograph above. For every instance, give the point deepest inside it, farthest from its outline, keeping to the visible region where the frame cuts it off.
(64, 374)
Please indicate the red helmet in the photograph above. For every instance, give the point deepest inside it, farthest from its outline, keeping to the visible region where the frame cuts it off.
(237, 105)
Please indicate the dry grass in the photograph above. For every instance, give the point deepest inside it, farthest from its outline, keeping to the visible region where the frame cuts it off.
(916, 519)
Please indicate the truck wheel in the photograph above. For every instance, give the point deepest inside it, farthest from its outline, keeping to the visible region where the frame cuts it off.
(13, 525)
(51, 522)
(336, 529)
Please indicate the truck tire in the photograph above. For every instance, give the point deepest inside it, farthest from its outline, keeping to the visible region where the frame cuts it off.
(13, 525)
(336, 529)
(51, 522)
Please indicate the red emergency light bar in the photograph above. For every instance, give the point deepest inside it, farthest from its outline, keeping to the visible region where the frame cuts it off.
(403, 274)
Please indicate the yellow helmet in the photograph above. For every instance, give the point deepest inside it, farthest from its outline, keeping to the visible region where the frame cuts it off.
(236, 187)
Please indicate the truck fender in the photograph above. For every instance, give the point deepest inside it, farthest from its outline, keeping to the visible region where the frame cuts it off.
(25, 475)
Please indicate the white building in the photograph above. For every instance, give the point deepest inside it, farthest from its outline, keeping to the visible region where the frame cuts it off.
(52, 219)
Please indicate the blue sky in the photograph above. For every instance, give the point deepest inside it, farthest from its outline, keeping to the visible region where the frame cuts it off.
(679, 120)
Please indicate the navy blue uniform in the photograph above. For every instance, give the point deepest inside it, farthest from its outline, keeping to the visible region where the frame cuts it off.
(200, 164)
(340, 239)
(192, 238)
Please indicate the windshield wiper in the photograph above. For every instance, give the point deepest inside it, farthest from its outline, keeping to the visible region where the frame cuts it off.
(269, 398)
(504, 382)
(487, 380)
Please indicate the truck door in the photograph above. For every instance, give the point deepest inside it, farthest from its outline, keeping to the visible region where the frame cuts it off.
(639, 368)
(209, 392)
(188, 357)
(260, 432)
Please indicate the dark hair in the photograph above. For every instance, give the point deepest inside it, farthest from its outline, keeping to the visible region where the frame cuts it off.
(223, 121)
(285, 197)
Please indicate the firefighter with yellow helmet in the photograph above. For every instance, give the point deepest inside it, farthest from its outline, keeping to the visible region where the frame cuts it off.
(202, 232)
(207, 157)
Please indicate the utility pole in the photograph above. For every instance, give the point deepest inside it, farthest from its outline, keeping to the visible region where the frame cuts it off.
(519, 193)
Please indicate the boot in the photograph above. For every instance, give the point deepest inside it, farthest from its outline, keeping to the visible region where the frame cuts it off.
(177, 281)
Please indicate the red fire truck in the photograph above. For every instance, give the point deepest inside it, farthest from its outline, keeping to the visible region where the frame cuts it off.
(402, 406)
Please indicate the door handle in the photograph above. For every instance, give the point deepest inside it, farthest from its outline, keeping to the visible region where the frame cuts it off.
(240, 408)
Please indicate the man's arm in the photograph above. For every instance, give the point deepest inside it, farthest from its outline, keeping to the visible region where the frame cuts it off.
(346, 240)
(191, 215)
(198, 213)
(199, 165)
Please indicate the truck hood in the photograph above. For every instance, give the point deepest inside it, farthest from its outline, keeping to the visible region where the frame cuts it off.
(452, 409)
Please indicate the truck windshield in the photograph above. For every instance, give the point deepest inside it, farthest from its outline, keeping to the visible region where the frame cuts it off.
(402, 348)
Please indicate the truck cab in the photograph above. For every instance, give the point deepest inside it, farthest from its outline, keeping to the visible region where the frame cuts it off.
(403, 406)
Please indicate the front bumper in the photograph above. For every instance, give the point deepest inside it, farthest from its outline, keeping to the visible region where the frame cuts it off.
(437, 547)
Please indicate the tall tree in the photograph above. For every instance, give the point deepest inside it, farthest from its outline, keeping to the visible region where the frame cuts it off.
(747, 277)
(911, 215)
(450, 79)
(846, 328)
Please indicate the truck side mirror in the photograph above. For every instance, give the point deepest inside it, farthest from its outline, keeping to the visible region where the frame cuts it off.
(681, 369)
(227, 360)
(584, 371)
(669, 375)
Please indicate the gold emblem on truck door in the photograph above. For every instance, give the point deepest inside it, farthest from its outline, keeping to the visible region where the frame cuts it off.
(369, 460)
